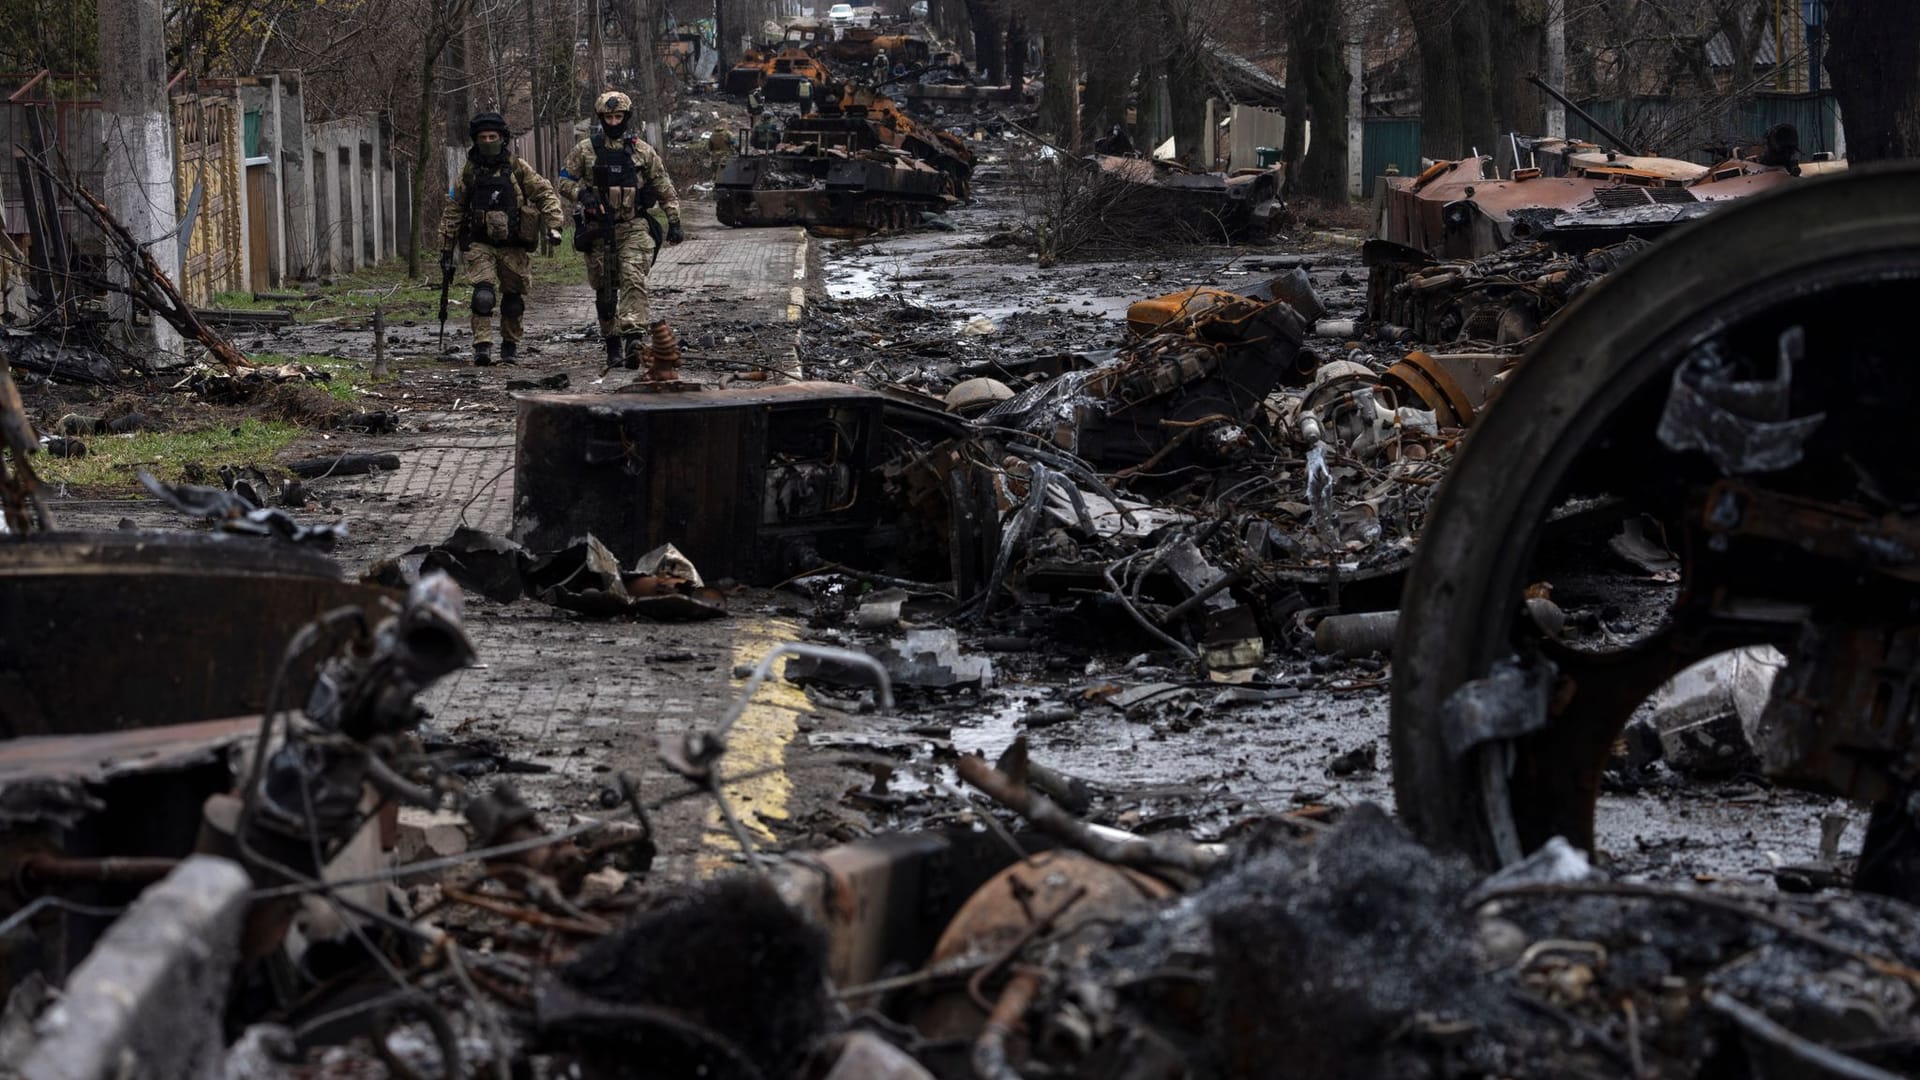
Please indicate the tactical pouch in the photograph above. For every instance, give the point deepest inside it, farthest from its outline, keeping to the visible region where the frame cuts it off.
(498, 227)
(528, 235)
(586, 231)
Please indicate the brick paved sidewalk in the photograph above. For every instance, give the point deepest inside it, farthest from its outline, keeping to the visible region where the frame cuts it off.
(741, 275)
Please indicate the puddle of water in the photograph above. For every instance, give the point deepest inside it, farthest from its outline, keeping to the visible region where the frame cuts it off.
(850, 281)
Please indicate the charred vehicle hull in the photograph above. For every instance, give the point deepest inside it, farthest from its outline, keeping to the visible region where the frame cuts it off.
(872, 192)
(1748, 398)
(861, 165)
(1236, 206)
(1438, 226)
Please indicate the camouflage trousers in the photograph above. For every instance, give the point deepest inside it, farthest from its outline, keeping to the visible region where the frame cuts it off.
(510, 272)
(633, 250)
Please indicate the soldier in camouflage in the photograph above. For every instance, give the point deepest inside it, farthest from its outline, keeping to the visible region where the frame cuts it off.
(615, 178)
(496, 211)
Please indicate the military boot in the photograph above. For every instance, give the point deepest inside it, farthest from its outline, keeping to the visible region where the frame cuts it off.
(482, 353)
(614, 348)
(636, 351)
(509, 350)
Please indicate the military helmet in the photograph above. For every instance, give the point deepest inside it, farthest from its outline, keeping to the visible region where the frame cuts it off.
(613, 101)
(487, 121)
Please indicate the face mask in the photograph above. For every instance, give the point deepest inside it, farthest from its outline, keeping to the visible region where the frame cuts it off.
(612, 129)
(491, 150)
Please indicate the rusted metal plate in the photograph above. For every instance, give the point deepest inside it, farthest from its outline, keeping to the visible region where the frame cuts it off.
(46, 778)
(110, 631)
(751, 484)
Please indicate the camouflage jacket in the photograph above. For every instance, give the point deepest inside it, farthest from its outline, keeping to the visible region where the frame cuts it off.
(539, 206)
(576, 174)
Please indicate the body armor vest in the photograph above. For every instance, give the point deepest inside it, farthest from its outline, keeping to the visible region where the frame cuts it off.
(617, 176)
(493, 206)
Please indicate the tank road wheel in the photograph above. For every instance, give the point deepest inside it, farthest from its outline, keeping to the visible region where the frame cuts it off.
(1746, 387)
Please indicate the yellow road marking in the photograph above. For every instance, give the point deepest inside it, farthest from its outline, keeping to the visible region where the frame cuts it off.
(759, 740)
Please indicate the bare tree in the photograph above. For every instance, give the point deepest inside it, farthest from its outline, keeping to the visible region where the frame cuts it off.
(448, 20)
(1456, 80)
(1317, 94)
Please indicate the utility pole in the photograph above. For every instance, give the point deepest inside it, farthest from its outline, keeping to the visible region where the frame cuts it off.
(596, 52)
(1556, 66)
(139, 170)
(534, 57)
(457, 101)
(643, 54)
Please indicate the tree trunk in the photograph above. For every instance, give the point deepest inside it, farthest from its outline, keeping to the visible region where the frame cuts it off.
(1873, 58)
(950, 18)
(989, 56)
(1110, 66)
(1187, 85)
(1317, 91)
(1473, 45)
(1457, 110)
(1016, 52)
(459, 99)
(422, 152)
(650, 104)
(1520, 31)
(596, 53)
(1441, 130)
(1059, 112)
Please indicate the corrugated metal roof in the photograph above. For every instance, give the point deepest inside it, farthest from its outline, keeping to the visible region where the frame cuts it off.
(1720, 50)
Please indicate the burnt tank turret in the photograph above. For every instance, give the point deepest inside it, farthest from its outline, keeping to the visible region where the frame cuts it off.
(859, 165)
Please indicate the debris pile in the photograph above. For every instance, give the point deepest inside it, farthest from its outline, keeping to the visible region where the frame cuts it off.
(1502, 299)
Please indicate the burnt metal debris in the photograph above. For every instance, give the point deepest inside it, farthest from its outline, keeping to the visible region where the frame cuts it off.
(1768, 482)
(249, 852)
(858, 164)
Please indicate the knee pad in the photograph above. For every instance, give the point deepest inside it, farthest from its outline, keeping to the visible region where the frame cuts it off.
(512, 304)
(483, 299)
(606, 306)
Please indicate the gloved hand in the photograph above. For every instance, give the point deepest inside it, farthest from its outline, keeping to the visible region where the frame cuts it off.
(590, 204)
(675, 233)
(553, 236)
(446, 261)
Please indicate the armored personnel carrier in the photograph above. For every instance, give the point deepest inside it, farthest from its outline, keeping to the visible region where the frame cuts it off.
(858, 165)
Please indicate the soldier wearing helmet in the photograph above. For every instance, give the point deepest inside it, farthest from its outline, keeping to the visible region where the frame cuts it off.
(615, 178)
(496, 211)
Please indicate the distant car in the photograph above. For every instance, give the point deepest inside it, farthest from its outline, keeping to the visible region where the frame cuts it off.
(841, 14)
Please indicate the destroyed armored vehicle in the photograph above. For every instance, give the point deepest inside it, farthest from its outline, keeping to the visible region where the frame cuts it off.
(859, 164)
(1744, 401)
(1237, 206)
(804, 461)
(793, 75)
(1577, 202)
(746, 76)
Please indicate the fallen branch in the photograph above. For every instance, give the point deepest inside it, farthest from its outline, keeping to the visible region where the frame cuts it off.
(146, 281)
(19, 486)
(342, 465)
(1153, 853)
(1758, 1025)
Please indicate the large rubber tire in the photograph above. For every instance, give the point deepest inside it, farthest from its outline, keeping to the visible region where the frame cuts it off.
(1467, 577)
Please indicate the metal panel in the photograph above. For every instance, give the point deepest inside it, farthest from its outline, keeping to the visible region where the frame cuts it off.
(1692, 134)
(1252, 128)
(79, 135)
(702, 471)
(259, 199)
(207, 155)
(1389, 140)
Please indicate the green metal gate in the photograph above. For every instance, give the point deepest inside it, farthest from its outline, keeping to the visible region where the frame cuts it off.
(1388, 140)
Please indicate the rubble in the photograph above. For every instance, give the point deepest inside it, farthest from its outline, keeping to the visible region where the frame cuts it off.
(978, 578)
